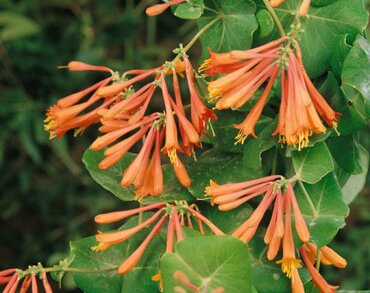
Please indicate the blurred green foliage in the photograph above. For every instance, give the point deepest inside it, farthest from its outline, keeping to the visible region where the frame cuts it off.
(47, 197)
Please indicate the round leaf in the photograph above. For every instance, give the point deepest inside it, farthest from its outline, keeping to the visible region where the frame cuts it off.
(328, 212)
(233, 30)
(209, 262)
(312, 164)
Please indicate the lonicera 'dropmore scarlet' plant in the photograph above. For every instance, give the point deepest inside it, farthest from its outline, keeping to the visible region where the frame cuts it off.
(280, 197)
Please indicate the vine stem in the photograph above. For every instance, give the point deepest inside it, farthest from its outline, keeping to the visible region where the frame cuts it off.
(66, 269)
(307, 197)
(77, 270)
(195, 38)
(275, 18)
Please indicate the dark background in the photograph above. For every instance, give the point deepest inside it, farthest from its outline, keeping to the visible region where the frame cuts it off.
(47, 197)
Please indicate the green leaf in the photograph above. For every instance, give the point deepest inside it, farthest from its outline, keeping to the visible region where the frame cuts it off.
(253, 149)
(322, 2)
(322, 26)
(217, 261)
(189, 10)
(224, 139)
(356, 73)
(218, 166)
(312, 164)
(110, 179)
(339, 53)
(111, 281)
(346, 152)
(352, 110)
(233, 30)
(15, 26)
(356, 183)
(328, 212)
(354, 116)
(265, 23)
(267, 275)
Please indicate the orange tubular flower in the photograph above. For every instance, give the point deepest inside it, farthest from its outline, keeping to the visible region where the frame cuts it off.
(305, 6)
(276, 3)
(247, 126)
(12, 278)
(289, 263)
(172, 144)
(296, 282)
(279, 191)
(245, 71)
(135, 257)
(184, 280)
(121, 110)
(200, 114)
(317, 279)
(241, 69)
(65, 115)
(140, 162)
(181, 173)
(174, 213)
(301, 105)
(327, 255)
(153, 181)
(82, 66)
(160, 8)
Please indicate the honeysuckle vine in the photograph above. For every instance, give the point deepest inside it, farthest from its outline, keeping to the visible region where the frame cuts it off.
(268, 82)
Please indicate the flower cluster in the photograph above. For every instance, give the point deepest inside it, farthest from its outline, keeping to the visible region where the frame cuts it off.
(121, 111)
(12, 278)
(177, 215)
(276, 191)
(245, 71)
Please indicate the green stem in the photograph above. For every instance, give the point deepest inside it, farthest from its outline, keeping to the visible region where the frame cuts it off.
(151, 31)
(195, 38)
(38, 269)
(77, 270)
(307, 197)
(275, 18)
(263, 252)
(142, 5)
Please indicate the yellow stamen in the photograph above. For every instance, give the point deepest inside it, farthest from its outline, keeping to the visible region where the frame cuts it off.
(240, 137)
(289, 265)
(172, 155)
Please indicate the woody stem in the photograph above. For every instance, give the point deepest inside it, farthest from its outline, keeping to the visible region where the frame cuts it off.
(307, 196)
(275, 18)
(195, 38)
